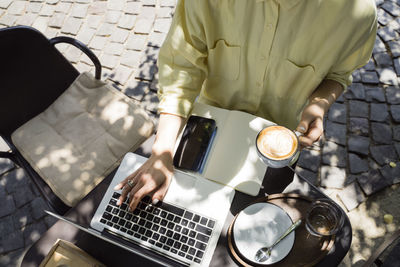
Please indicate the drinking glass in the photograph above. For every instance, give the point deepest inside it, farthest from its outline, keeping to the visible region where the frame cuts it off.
(324, 218)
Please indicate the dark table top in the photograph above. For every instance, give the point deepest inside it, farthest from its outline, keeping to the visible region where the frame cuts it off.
(275, 181)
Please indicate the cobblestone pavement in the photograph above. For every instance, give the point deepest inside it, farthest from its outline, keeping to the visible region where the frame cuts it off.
(356, 163)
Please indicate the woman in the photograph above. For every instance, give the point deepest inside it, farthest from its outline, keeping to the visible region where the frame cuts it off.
(284, 60)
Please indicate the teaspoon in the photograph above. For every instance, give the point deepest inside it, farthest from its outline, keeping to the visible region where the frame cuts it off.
(264, 253)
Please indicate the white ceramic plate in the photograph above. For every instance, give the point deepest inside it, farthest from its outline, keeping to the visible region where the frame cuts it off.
(259, 225)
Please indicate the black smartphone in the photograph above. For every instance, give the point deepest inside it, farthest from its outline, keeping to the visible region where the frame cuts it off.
(195, 143)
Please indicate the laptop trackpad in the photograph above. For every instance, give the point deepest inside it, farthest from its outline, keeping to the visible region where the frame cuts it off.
(200, 194)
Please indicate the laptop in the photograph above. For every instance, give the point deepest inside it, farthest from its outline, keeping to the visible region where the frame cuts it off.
(184, 227)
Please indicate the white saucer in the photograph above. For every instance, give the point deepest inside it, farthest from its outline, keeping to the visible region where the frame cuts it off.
(260, 225)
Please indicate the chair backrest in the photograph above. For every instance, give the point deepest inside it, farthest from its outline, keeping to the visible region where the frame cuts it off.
(393, 257)
(33, 73)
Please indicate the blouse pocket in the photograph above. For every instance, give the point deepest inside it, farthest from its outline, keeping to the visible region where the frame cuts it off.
(224, 61)
(296, 81)
(298, 66)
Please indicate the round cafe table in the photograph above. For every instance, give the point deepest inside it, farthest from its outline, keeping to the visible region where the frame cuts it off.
(275, 181)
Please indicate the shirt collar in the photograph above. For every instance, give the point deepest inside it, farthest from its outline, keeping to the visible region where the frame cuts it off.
(284, 3)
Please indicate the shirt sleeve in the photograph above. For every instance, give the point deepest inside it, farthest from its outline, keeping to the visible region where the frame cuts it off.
(357, 55)
(181, 62)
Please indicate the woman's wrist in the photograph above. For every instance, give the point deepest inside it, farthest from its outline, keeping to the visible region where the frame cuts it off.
(322, 103)
(162, 149)
(325, 94)
(167, 133)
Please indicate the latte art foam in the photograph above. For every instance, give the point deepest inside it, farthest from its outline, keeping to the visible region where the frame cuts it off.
(277, 142)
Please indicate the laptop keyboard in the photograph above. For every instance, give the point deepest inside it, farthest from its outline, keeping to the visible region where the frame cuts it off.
(171, 229)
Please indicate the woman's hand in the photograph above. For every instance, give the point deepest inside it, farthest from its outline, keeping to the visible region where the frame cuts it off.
(312, 118)
(311, 124)
(154, 176)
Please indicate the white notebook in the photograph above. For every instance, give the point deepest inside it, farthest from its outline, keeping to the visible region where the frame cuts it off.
(233, 158)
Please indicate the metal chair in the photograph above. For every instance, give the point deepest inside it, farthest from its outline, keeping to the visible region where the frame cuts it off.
(393, 257)
(33, 73)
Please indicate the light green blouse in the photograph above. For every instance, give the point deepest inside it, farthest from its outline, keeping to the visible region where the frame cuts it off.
(264, 57)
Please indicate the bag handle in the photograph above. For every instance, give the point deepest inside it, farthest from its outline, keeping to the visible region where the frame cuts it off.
(81, 46)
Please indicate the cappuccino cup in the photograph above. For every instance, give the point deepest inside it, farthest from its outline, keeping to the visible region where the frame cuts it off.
(278, 146)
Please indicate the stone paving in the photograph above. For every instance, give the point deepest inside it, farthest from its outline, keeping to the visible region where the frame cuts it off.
(357, 157)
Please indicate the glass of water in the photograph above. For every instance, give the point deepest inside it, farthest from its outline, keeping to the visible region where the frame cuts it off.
(324, 217)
